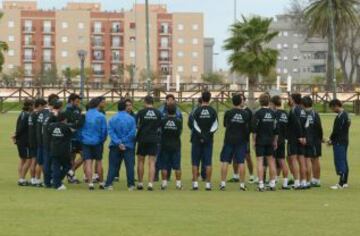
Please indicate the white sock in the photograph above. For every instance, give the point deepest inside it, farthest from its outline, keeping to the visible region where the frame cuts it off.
(91, 185)
(21, 180)
(242, 185)
(140, 184)
(102, 184)
(164, 183)
(303, 183)
(33, 181)
(261, 184)
(236, 176)
(285, 183)
(208, 185)
(178, 183)
(195, 184)
(223, 184)
(272, 183)
(297, 183)
(71, 173)
(150, 185)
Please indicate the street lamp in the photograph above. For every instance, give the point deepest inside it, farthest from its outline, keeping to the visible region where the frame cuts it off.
(148, 67)
(333, 46)
(82, 56)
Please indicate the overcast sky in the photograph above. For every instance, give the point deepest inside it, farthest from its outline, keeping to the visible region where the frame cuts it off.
(219, 14)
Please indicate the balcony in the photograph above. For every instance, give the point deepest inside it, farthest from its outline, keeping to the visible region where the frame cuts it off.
(29, 58)
(165, 46)
(116, 59)
(28, 44)
(28, 29)
(165, 31)
(98, 73)
(98, 44)
(48, 30)
(47, 44)
(117, 30)
(117, 45)
(98, 59)
(100, 31)
(48, 59)
(164, 60)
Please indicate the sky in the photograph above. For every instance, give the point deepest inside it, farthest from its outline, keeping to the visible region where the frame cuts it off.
(218, 14)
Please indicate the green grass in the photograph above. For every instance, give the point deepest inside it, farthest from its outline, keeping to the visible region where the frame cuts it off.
(30, 211)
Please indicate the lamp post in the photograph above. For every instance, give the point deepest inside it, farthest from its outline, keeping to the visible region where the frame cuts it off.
(82, 56)
(333, 37)
(148, 66)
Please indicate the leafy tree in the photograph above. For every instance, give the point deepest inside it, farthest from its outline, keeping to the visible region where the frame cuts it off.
(3, 48)
(154, 75)
(250, 55)
(213, 78)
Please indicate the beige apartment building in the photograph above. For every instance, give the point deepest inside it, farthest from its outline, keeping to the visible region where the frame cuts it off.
(41, 39)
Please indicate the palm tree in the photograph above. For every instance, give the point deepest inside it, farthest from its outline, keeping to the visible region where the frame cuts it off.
(328, 18)
(250, 55)
(3, 48)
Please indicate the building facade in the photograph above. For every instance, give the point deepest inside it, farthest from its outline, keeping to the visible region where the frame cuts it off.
(300, 57)
(115, 42)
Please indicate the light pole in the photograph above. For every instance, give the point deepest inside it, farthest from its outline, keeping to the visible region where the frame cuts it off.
(148, 66)
(82, 56)
(333, 37)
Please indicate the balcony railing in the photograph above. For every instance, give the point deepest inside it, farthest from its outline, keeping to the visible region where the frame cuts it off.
(117, 30)
(164, 45)
(28, 43)
(165, 31)
(29, 57)
(28, 29)
(48, 30)
(97, 30)
(98, 44)
(48, 58)
(48, 44)
(117, 45)
(116, 58)
(98, 72)
(164, 59)
(98, 58)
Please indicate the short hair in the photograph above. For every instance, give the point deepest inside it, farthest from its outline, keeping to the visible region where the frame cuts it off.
(94, 103)
(27, 105)
(40, 102)
(296, 97)
(170, 96)
(307, 101)
(72, 97)
(200, 100)
(57, 104)
(335, 103)
(128, 100)
(206, 96)
(122, 105)
(264, 99)
(61, 116)
(237, 100)
(171, 109)
(243, 97)
(52, 97)
(276, 100)
(149, 100)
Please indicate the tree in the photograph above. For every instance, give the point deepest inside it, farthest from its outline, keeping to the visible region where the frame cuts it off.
(154, 75)
(14, 74)
(131, 69)
(331, 19)
(249, 53)
(213, 78)
(3, 48)
(69, 74)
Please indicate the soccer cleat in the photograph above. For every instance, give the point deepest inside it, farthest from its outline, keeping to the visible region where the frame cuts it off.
(179, 187)
(61, 188)
(102, 187)
(315, 185)
(345, 185)
(139, 187)
(23, 183)
(109, 188)
(116, 179)
(39, 185)
(291, 182)
(150, 188)
(91, 187)
(261, 189)
(336, 187)
(208, 189)
(222, 188)
(73, 181)
(195, 188)
(243, 188)
(131, 189)
(163, 187)
(233, 180)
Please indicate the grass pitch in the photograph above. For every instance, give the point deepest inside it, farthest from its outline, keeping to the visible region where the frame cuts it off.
(31, 211)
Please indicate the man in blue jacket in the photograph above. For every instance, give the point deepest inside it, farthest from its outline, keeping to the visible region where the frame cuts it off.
(122, 132)
(93, 136)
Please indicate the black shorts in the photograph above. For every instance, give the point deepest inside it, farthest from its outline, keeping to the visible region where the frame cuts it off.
(310, 151)
(279, 153)
(318, 147)
(295, 149)
(264, 150)
(24, 151)
(76, 146)
(147, 149)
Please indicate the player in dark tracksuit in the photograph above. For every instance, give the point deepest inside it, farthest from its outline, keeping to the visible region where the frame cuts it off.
(265, 140)
(170, 152)
(282, 124)
(297, 141)
(205, 125)
(236, 122)
(32, 142)
(60, 148)
(148, 137)
(21, 139)
(315, 162)
(339, 139)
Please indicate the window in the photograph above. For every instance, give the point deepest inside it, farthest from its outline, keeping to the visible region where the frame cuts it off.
(180, 54)
(194, 69)
(278, 70)
(279, 46)
(81, 25)
(195, 41)
(295, 46)
(132, 54)
(98, 41)
(164, 42)
(286, 45)
(295, 70)
(180, 41)
(28, 69)
(164, 28)
(47, 55)
(64, 25)
(116, 55)
(195, 27)
(47, 66)
(285, 70)
(28, 26)
(47, 40)
(285, 58)
(195, 54)
(97, 67)
(285, 33)
(11, 38)
(180, 27)
(98, 55)
(28, 54)
(27, 39)
(132, 39)
(180, 68)
(97, 27)
(64, 39)
(116, 42)
(47, 26)
(164, 55)
(10, 66)
(295, 58)
(11, 52)
(116, 27)
(11, 24)
(64, 53)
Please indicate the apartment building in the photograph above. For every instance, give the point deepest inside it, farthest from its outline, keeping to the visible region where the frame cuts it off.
(300, 57)
(42, 39)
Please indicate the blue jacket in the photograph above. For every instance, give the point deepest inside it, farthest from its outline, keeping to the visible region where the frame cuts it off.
(163, 111)
(122, 130)
(94, 131)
